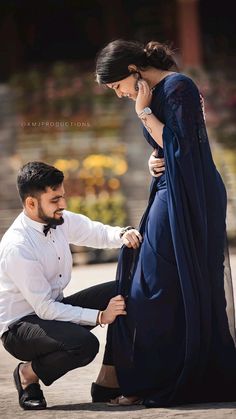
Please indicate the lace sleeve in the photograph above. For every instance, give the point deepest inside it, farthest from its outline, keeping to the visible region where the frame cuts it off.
(184, 114)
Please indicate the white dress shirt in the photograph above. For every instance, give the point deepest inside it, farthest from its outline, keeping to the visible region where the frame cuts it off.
(35, 269)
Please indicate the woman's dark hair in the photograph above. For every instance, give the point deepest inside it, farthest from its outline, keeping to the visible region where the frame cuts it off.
(113, 60)
(34, 177)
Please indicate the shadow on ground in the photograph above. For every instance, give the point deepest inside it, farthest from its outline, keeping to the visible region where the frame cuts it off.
(102, 407)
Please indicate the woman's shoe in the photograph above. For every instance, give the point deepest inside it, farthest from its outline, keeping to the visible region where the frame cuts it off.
(125, 401)
(30, 398)
(104, 394)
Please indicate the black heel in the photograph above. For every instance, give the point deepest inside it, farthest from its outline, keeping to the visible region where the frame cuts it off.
(104, 394)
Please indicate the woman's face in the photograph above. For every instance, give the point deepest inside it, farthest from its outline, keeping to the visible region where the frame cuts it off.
(126, 87)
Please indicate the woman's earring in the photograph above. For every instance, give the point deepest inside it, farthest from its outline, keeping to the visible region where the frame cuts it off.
(138, 77)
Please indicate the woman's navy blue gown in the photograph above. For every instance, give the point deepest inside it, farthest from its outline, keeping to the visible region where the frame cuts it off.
(176, 344)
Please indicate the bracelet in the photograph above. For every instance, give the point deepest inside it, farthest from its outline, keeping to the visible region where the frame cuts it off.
(100, 319)
(145, 111)
(141, 114)
(124, 229)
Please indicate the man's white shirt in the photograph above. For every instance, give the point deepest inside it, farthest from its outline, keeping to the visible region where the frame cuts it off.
(35, 269)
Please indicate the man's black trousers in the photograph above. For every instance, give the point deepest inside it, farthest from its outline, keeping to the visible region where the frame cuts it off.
(56, 347)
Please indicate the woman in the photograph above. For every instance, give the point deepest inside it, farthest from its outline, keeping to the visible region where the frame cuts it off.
(175, 344)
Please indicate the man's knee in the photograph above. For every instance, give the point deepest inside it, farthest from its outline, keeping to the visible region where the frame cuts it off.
(93, 345)
(87, 350)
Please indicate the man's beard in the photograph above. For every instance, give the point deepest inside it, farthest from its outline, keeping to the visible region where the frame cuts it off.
(49, 220)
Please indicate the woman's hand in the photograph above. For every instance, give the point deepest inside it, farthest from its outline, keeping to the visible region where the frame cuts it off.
(156, 165)
(116, 307)
(132, 238)
(144, 96)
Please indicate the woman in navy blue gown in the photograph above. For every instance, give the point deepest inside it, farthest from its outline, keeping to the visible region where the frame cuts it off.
(177, 342)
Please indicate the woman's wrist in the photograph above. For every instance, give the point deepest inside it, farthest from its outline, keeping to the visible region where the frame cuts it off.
(145, 111)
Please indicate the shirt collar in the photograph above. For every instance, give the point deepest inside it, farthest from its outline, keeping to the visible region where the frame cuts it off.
(32, 223)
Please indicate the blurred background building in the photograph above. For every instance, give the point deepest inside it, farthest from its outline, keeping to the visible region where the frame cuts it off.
(51, 109)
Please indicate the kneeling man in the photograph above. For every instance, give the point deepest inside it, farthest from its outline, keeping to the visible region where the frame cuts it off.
(37, 323)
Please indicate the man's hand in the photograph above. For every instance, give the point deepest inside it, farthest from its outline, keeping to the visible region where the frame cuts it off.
(116, 307)
(156, 165)
(132, 238)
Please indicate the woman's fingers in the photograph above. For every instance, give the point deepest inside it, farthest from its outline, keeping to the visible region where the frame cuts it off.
(156, 161)
(144, 96)
(156, 165)
(158, 169)
(154, 174)
(144, 86)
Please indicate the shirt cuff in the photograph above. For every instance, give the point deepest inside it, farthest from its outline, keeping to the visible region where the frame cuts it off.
(89, 317)
(117, 237)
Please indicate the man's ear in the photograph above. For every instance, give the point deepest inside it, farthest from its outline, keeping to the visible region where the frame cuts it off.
(30, 203)
(132, 68)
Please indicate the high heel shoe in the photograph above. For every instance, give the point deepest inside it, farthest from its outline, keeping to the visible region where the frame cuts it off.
(104, 394)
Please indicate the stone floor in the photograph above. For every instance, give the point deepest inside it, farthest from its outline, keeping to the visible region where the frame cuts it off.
(69, 397)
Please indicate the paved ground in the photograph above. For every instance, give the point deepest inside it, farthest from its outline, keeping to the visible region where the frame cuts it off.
(69, 397)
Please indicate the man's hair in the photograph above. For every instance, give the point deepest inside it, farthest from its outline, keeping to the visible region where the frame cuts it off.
(34, 177)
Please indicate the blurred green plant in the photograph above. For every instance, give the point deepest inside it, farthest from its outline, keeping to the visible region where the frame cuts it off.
(107, 209)
(94, 174)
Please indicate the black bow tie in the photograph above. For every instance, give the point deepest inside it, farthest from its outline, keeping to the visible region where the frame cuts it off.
(47, 227)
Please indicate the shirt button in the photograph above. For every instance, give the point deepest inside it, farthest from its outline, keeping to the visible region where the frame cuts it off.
(59, 257)
(60, 275)
(53, 241)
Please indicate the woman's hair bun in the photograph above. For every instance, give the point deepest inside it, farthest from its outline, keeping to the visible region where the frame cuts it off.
(159, 55)
(114, 59)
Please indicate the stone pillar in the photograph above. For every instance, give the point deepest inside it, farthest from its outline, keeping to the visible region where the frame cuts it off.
(116, 22)
(189, 33)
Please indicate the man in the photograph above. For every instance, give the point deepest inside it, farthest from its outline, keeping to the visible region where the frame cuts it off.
(37, 323)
